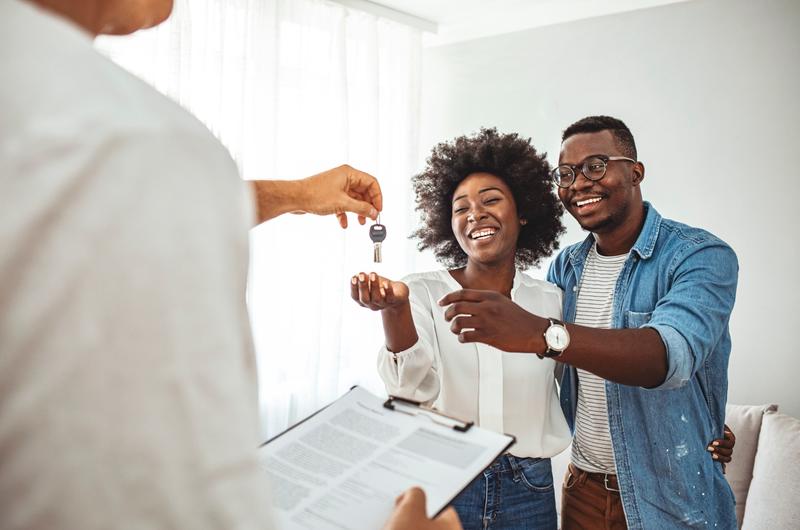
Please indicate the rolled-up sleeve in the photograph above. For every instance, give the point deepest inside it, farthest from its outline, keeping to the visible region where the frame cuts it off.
(694, 314)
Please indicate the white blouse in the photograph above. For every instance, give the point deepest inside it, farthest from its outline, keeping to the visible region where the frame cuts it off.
(513, 393)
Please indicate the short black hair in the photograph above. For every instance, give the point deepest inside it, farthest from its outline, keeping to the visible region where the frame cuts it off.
(592, 124)
(510, 158)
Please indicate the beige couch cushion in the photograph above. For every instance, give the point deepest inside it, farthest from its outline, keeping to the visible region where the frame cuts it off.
(774, 492)
(745, 422)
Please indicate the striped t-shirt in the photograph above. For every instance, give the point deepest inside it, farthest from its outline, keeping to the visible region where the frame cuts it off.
(591, 449)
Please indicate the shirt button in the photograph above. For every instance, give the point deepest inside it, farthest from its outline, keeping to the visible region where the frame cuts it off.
(574, 288)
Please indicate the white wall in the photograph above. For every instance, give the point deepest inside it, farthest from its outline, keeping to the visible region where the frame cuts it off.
(710, 90)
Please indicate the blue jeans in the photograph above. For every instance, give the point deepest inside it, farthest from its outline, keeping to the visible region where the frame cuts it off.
(511, 494)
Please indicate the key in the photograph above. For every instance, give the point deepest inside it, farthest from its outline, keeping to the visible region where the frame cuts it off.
(377, 233)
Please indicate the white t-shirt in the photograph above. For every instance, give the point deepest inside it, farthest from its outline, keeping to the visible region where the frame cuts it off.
(506, 392)
(592, 449)
(127, 377)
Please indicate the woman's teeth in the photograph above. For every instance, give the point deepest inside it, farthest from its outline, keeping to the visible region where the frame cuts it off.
(482, 234)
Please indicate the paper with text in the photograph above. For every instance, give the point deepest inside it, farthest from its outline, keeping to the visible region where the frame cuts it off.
(343, 467)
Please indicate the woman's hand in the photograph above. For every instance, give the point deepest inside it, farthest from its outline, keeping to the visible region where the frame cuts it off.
(376, 292)
(722, 450)
(391, 299)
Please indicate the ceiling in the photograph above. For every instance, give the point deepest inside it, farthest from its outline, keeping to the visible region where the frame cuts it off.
(459, 20)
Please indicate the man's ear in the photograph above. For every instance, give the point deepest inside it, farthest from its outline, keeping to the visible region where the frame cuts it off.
(638, 173)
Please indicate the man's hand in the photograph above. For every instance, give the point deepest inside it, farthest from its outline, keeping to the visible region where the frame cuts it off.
(336, 191)
(493, 319)
(342, 189)
(409, 514)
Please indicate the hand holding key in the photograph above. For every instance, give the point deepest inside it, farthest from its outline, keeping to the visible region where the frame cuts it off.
(377, 293)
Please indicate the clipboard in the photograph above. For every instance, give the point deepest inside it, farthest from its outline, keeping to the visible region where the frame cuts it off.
(408, 406)
(357, 454)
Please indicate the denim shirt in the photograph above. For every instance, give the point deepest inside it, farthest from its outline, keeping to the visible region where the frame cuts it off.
(680, 281)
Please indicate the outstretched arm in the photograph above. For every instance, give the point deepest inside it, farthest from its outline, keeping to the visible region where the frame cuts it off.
(491, 318)
(336, 191)
(665, 352)
(407, 363)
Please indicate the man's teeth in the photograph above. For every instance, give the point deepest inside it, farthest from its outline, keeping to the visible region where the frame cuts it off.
(588, 201)
(482, 234)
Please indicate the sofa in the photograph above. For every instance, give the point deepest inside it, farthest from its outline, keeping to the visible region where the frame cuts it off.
(765, 471)
(764, 474)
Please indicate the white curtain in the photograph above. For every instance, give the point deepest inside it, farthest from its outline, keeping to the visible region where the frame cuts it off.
(293, 87)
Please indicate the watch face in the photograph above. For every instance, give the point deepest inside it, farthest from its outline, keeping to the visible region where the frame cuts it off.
(557, 337)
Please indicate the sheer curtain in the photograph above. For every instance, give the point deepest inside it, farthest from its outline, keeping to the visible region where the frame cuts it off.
(294, 87)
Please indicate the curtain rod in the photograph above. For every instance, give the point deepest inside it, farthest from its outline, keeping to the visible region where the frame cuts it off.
(379, 10)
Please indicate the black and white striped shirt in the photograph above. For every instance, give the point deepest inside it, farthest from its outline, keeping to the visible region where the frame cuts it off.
(591, 449)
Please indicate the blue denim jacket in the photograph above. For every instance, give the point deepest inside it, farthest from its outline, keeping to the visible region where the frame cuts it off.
(680, 281)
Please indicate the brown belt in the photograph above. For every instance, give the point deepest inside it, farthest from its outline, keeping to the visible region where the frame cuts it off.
(608, 480)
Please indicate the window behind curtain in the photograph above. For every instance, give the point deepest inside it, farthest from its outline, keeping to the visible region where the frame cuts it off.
(292, 88)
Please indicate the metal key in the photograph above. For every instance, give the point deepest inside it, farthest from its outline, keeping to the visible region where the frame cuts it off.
(377, 233)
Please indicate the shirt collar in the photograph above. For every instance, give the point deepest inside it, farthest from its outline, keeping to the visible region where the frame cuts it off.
(646, 242)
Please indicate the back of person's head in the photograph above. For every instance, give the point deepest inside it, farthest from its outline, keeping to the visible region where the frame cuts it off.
(592, 124)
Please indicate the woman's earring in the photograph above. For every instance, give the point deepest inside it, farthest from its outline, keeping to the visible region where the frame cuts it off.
(523, 221)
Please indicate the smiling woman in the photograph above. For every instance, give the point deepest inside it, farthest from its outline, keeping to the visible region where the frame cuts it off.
(484, 220)
(488, 210)
(522, 169)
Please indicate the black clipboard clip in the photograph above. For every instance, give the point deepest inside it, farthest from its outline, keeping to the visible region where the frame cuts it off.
(415, 408)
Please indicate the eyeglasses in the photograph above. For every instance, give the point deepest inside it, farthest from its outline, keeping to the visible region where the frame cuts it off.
(593, 168)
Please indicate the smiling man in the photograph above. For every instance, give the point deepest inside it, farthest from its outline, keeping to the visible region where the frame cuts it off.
(648, 301)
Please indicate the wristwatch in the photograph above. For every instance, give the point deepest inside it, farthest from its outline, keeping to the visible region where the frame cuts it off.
(556, 337)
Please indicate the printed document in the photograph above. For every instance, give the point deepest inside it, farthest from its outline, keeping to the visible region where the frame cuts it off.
(343, 467)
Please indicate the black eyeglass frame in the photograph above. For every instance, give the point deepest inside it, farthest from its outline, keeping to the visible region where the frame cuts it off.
(583, 167)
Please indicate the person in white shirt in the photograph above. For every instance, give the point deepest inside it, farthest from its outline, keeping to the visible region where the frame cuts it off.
(127, 376)
(489, 211)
